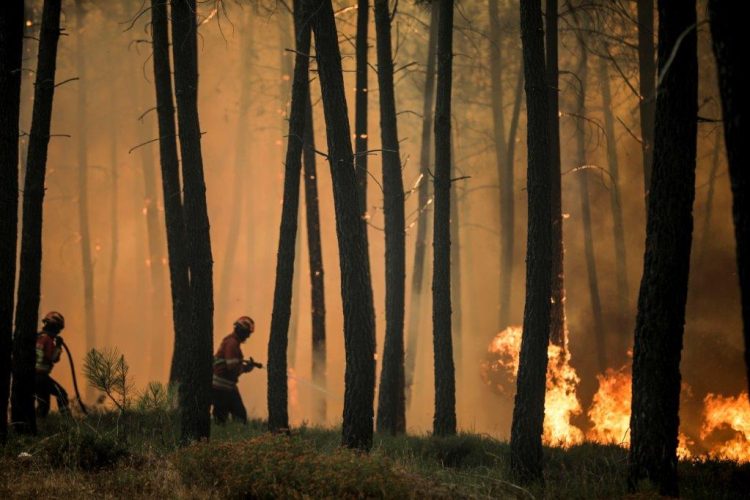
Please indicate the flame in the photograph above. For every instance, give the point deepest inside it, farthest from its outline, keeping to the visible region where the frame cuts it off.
(561, 402)
(610, 408)
(727, 415)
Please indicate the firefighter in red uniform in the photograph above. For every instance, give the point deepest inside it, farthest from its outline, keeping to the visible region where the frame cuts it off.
(48, 349)
(228, 366)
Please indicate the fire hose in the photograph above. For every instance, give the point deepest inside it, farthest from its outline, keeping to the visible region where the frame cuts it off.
(73, 372)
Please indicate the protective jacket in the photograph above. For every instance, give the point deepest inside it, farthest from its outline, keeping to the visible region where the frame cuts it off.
(47, 353)
(227, 363)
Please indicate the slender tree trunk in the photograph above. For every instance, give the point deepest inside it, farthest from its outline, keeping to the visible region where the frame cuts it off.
(621, 263)
(558, 327)
(278, 417)
(30, 269)
(504, 170)
(423, 199)
(391, 398)
(315, 253)
(647, 79)
(171, 190)
(226, 296)
(660, 323)
(727, 30)
(456, 271)
(83, 186)
(528, 411)
(444, 421)
(356, 288)
(583, 187)
(195, 388)
(114, 229)
(360, 106)
(11, 51)
(708, 211)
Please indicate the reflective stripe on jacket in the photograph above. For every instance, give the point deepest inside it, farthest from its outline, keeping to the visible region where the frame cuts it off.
(227, 363)
(47, 353)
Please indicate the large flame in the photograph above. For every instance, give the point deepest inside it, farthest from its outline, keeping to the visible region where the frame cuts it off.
(561, 402)
(725, 431)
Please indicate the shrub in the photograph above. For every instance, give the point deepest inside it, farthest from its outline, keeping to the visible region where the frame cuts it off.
(82, 448)
(107, 371)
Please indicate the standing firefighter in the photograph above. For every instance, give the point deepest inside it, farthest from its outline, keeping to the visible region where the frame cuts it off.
(228, 366)
(48, 349)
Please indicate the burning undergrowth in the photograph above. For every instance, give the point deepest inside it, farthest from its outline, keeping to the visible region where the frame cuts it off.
(725, 420)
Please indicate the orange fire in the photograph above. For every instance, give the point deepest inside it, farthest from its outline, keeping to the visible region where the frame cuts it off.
(561, 402)
(728, 418)
(725, 431)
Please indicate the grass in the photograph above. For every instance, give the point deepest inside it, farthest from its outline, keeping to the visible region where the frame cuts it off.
(136, 455)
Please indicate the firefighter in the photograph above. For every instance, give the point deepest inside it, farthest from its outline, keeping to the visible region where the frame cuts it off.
(48, 350)
(228, 366)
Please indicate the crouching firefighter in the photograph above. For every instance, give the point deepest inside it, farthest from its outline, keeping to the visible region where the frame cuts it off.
(48, 350)
(228, 366)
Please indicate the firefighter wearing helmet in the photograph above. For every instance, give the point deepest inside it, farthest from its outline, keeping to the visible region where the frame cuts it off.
(228, 366)
(48, 350)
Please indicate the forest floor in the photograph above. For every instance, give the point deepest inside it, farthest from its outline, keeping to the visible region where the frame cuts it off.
(136, 455)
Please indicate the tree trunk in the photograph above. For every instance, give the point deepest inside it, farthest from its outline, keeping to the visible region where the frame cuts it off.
(83, 183)
(444, 421)
(423, 200)
(391, 399)
(708, 211)
(171, 190)
(727, 31)
(315, 253)
(456, 276)
(226, 295)
(30, 268)
(558, 327)
(504, 169)
(114, 227)
(583, 187)
(660, 323)
(621, 263)
(356, 288)
(195, 388)
(528, 411)
(647, 79)
(11, 51)
(360, 107)
(278, 417)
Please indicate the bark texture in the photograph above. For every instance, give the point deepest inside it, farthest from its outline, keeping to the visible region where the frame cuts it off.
(654, 420)
(195, 387)
(647, 85)
(727, 30)
(11, 51)
(356, 288)
(30, 269)
(444, 420)
(391, 397)
(528, 411)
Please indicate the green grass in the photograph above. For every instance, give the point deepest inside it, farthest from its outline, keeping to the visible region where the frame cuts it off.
(137, 456)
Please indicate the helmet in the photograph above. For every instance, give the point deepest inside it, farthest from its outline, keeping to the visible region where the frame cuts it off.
(245, 323)
(54, 318)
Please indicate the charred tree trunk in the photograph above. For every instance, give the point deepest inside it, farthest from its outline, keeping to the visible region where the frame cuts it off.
(423, 200)
(30, 269)
(315, 254)
(226, 296)
(583, 187)
(660, 323)
(171, 190)
(647, 79)
(558, 327)
(528, 411)
(504, 169)
(11, 52)
(83, 186)
(360, 107)
(356, 288)
(278, 417)
(195, 387)
(391, 399)
(444, 421)
(727, 30)
(621, 263)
